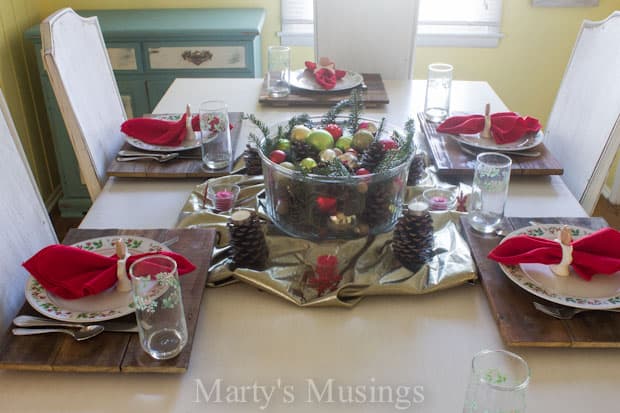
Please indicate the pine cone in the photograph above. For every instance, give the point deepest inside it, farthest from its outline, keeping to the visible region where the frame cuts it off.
(412, 241)
(372, 156)
(378, 201)
(301, 150)
(253, 164)
(416, 170)
(247, 241)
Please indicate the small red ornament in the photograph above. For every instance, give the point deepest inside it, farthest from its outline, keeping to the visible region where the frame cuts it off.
(461, 202)
(277, 156)
(326, 204)
(326, 276)
(388, 144)
(362, 171)
(334, 130)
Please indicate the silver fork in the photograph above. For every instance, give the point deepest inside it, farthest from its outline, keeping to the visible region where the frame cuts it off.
(565, 313)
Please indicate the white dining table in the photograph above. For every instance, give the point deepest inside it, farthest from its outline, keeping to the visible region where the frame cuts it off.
(256, 352)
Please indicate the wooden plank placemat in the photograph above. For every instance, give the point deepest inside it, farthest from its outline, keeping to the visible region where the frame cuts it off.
(520, 324)
(177, 168)
(374, 95)
(450, 159)
(116, 352)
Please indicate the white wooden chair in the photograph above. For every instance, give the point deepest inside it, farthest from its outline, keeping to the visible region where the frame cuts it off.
(367, 36)
(79, 69)
(26, 226)
(583, 132)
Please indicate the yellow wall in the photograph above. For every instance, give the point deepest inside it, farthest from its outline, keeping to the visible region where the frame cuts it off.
(525, 69)
(19, 82)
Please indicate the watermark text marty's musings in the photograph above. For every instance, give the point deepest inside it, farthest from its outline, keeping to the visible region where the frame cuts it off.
(313, 391)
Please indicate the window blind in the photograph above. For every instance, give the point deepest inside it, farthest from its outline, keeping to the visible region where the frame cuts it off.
(441, 22)
(459, 22)
(297, 22)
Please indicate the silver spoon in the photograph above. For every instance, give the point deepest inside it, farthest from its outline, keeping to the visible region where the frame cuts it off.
(81, 334)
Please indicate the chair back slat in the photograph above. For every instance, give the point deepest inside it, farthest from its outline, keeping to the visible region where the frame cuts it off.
(79, 69)
(584, 126)
(25, 223)
(367, 36)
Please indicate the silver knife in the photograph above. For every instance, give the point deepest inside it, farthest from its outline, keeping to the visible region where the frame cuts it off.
(111, 326)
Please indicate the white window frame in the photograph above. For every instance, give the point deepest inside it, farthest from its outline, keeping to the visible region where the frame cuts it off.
(297, 30)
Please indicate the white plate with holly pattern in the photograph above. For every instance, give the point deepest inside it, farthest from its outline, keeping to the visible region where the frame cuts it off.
(107, 305)
(602, 292)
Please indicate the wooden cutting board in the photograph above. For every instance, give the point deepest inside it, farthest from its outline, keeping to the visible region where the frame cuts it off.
(116, 352)
(374, 95)
(519, 323)
(451, 160)
(178, 168)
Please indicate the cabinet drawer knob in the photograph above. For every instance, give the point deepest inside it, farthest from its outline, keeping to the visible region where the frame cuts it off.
(197, 57)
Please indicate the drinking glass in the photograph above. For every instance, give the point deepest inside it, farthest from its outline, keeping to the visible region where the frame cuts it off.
(278, 70)
(156, 292)
(438, 85)
(497, 384)
(489, 191)
(215, 144)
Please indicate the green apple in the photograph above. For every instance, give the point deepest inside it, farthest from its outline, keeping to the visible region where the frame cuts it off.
(362, 140)
(344, 143)
(283, 145)
(320, 139)
(308, 164)
(300, 133)
(287, 165)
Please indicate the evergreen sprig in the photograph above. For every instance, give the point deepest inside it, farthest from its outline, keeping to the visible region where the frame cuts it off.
(380, 129)
(357, 107)
(334, 111)
(406, 148)
(331, 168)
(259, 124)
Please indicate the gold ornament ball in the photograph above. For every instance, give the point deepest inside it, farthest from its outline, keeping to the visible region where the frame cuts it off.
(362, 140)
(300, 133)
(327, 155)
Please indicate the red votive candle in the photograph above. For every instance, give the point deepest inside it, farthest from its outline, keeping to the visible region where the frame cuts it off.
(439, 203)
(327, 266)
(224, 200)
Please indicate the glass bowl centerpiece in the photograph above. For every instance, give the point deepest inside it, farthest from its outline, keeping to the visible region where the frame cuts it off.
(334, 176)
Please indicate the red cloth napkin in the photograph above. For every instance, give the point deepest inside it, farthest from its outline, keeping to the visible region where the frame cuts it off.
(596, 253)
(71, 272)
(506, 127)
(158, 131)
(324, 76)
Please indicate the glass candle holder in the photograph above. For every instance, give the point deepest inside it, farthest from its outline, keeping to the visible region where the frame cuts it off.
(439, 199)
(223, 196)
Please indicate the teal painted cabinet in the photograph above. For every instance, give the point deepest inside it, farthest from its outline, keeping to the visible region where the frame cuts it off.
(148, 49)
